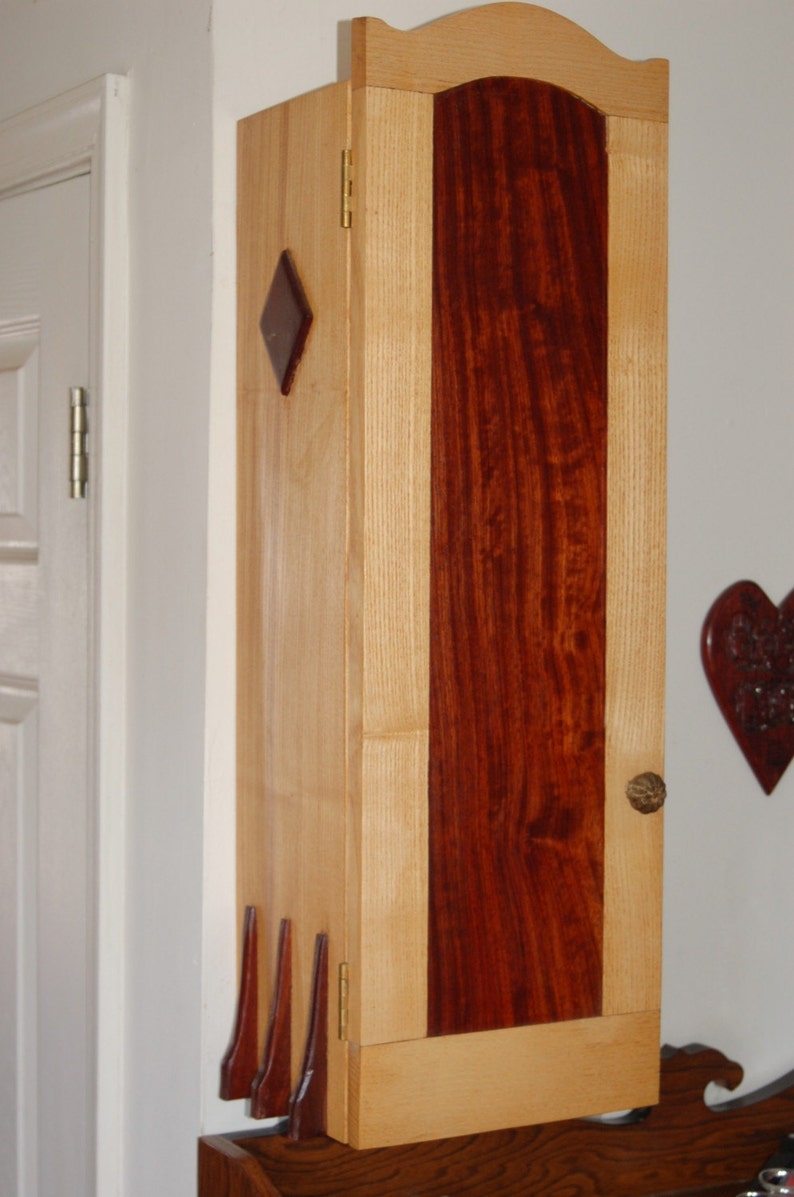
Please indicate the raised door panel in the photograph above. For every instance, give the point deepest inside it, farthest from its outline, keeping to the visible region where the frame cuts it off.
(46, 895)
(18, 846)
(517, 611)
(19, 422)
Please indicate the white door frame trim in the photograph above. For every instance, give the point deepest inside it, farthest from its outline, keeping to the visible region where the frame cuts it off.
(86, 131)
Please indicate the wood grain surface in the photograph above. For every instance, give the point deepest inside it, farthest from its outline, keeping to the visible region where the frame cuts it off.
(681, 1147)
(388, 567)
(522, 40)
(636, 557)
(517, 595)
(486, 1080)
(292, 555)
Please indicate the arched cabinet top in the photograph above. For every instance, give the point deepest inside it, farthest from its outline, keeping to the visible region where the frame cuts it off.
(520, 40)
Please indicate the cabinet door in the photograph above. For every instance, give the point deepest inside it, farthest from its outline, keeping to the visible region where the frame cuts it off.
(507, 385)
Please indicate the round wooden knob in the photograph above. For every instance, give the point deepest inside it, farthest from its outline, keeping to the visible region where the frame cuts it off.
(646, 792)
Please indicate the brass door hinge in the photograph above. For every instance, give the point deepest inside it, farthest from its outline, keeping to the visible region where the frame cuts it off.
(347, 188)
(78, 432)
(344, 998)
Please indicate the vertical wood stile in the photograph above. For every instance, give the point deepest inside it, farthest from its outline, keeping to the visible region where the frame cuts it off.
(389, 570)
(635, 556)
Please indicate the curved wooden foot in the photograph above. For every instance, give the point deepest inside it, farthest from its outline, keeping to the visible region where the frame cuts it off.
(238, 1067)
(270, 1092)
(308, 1106)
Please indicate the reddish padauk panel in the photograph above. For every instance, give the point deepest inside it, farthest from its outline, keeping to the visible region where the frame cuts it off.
(748, 656)
(517, 608)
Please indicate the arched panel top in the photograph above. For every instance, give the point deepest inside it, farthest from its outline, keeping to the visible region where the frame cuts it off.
(520, 40)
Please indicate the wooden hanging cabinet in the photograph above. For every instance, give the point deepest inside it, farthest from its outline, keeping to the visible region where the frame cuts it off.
(451, 579)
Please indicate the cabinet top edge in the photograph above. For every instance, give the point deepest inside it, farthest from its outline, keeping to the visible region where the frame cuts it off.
(516, 39)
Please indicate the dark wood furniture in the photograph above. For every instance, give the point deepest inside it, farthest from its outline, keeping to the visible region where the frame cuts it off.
(680, 1147)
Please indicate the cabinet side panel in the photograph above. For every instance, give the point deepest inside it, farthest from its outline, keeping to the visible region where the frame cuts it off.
(292, 528)
(636, 557)
(517, 603)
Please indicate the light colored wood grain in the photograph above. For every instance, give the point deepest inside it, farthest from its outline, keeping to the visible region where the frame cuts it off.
(464, 1084)
(391, 987)
(637, 360)
(521, 40)
(292, 528)
(390, 567)
(393, 264)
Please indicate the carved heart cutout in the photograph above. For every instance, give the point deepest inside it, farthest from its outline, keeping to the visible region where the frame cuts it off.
(748, 655)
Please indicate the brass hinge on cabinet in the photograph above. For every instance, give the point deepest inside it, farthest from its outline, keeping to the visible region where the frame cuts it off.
(78, 431)
(344, 996)
(347, 188)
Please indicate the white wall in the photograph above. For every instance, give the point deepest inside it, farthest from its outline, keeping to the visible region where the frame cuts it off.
(46, 47)
(728, 907)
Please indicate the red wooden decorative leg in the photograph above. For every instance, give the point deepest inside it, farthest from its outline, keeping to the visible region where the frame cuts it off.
(307, 1109)
(238, 1066)
(270, 1092)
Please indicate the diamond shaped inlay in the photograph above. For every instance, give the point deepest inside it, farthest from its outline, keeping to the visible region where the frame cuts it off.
(285, 321)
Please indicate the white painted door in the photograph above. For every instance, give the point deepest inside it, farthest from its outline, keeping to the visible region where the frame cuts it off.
(47, 912)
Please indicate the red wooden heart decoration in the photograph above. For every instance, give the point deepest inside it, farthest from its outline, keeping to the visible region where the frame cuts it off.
(748, 655)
